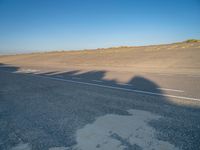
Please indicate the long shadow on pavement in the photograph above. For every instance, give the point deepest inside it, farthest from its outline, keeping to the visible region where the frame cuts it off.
(47, 113)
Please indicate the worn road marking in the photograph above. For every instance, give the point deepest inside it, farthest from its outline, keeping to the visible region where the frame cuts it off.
(166, 89)
(125, 84)
(97, 80)
(112, 87)
(59, 76)
(120, 88)
(28, 71)
(76, 78)
(164, 74)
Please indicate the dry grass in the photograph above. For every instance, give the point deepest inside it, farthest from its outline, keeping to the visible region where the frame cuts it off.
(178, 57)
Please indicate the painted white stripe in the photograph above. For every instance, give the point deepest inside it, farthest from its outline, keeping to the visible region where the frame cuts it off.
(59, 76)
(27, 71)
(113, 87)
(194, 76)
(119, 88)
(125, 84)
(166, 89)
(97, 80)
(164, 74)
(76, 78)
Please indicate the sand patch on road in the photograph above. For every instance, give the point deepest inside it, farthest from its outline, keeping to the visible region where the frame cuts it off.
(117, 132)
(22, 146)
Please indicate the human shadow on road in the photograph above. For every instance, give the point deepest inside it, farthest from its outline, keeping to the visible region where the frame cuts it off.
(47, 113)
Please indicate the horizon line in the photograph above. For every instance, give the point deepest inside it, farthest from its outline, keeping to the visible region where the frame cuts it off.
(98, 48)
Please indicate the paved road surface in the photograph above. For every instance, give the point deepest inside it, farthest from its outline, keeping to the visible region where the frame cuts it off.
(83, 111)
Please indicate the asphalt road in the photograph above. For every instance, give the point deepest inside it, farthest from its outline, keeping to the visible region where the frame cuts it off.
(84, 111)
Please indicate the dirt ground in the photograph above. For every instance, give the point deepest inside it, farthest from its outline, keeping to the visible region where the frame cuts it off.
(177, 58)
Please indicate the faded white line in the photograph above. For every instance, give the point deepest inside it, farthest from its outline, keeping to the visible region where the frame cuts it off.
(76, 78)
(27, 71)
(113, 87)
(59, 76)
(97, 80)
(194, 76)
(166, 89)
(125, 84)
(122, 89)
(164, 74)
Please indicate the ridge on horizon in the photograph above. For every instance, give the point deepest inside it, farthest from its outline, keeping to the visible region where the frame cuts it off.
(101, 48)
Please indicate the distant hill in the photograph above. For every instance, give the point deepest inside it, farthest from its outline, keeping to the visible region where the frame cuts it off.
(192, 41)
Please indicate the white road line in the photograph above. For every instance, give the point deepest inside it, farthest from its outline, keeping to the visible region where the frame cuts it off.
(164, 74)
(28, 71)
(122, 89)
(59, 76)
(194, 76)
(113, 87)
(76, 78)
(166, 89)
(125, 84)
(97, 80)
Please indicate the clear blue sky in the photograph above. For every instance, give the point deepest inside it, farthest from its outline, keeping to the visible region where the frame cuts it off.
(34, 25)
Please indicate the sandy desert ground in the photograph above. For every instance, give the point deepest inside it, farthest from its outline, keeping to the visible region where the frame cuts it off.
(179, 58)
